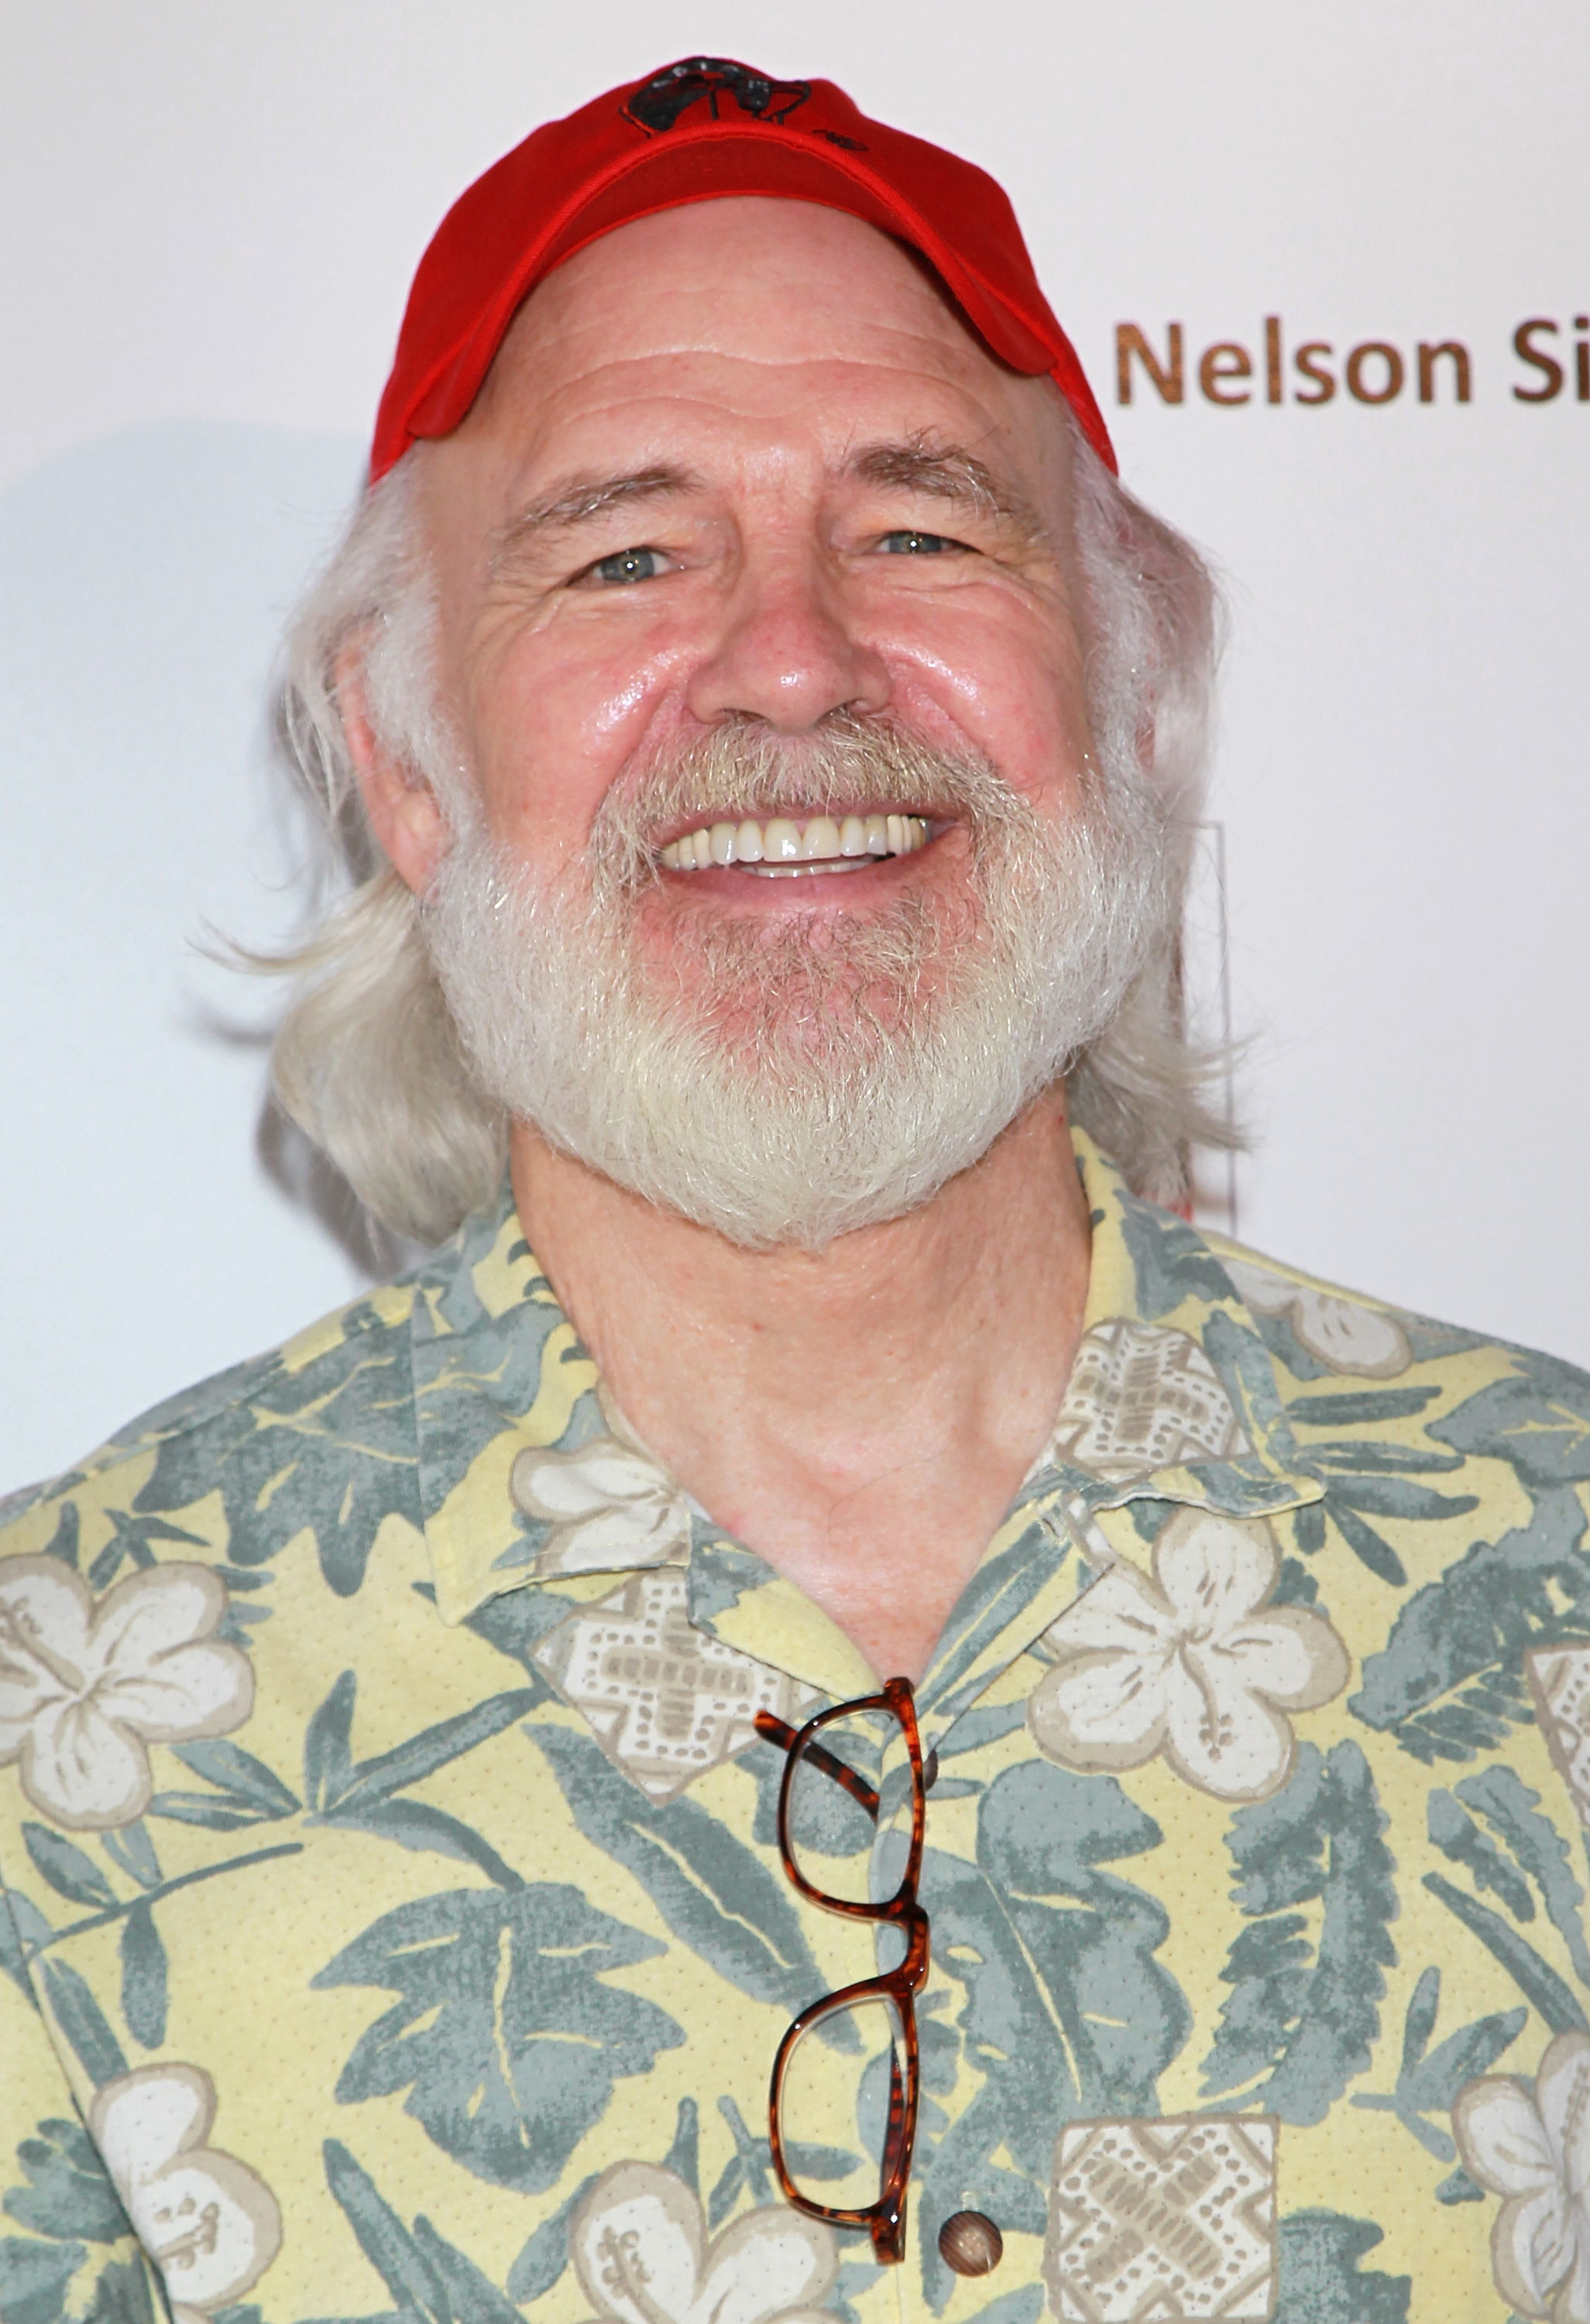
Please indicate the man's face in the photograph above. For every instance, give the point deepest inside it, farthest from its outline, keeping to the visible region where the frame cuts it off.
(781, 878)
(741, 462)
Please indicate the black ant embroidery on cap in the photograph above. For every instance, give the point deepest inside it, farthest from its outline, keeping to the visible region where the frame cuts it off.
(668, 95)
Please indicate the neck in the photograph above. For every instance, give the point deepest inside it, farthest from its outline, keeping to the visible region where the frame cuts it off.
(862, 1416)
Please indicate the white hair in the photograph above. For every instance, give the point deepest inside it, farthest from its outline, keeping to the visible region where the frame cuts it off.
(370, 1059)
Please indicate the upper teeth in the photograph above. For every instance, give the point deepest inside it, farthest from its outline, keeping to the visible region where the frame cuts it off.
(782, 842)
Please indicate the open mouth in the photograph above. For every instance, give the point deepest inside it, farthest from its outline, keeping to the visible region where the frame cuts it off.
(782, 848)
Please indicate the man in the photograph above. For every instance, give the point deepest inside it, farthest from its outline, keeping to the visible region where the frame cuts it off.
(454, 1774)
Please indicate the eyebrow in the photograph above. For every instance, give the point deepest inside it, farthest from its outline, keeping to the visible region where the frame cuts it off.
(919, 465)
(949, 473)
(575, 501)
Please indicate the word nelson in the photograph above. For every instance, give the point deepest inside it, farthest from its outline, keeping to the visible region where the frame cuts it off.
(1375, 371)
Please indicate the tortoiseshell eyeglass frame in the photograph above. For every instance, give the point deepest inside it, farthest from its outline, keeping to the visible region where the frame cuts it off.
(884, 2220)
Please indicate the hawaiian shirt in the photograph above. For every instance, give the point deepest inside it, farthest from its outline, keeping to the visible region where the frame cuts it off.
(397, 1929)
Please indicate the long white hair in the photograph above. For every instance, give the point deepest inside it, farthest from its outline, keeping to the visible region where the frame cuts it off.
(369, 1060)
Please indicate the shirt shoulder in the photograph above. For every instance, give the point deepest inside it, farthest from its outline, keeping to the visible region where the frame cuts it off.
(1455, 1509)
(288, 1425)
(1315, 1326)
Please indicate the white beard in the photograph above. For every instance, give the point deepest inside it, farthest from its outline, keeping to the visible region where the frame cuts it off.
(804, 1079)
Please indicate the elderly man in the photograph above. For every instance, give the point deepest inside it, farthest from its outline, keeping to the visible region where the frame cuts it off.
(829, 1712)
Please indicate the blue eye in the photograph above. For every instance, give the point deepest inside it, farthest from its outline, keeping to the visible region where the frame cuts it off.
(629, 565)
(918, 544)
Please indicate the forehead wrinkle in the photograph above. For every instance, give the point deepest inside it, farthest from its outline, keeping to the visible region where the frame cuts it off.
(574, 500)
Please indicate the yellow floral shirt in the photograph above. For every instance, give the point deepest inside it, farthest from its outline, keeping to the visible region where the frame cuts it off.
(396, 1925)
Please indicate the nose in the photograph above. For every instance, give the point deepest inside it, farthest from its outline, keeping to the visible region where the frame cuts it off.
(787, 654)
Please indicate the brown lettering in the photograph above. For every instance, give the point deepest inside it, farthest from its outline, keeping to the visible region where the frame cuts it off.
(1167, 377)
(1221, 363)
(1393, 379)
(1427, 368)
(1309, 369)
(1522, 345)
(1582, 359)
(1272, 358)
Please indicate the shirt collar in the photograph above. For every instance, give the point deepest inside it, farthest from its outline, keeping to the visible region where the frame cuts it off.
(528, 1476)
(1174, 1395)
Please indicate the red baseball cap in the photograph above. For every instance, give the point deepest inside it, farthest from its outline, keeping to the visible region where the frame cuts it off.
(696, 131)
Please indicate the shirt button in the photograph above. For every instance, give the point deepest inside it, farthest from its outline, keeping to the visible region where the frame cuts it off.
(971, 2244)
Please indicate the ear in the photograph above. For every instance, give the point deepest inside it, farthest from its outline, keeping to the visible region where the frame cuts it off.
(404, 812)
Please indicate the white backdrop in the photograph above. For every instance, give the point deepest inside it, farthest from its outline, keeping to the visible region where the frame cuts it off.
(210, 216)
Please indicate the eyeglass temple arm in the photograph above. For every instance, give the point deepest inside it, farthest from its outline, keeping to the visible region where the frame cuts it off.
(774, 1730)
(887, 2236)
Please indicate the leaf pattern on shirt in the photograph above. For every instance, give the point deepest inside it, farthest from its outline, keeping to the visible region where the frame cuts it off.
(1536, 1847)
(427, 2277)
(1294, 2032)
(67, 2201)
(1429, 2081)
(736, 1912)
(1492, 1827)
(322, 1449)
(506, 2033)
(1321, 2281)
(1538, 1419)
(1449, 1681)
(1366, 1478)
(1170, 1260)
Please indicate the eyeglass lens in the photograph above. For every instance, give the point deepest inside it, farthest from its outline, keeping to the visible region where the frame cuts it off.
(835, 2104)
(835, 1781)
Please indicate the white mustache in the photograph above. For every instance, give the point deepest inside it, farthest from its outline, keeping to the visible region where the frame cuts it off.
(847, 766)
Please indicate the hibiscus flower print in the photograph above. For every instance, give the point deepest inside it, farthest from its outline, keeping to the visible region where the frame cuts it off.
(86, 1685)
(608, 1504)
(1531, 2146)
(1195, 1664)
(209, 2223)
(639, 2247)
(1345, 1336)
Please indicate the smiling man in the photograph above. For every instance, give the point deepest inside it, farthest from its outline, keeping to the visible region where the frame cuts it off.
(828, 1710)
